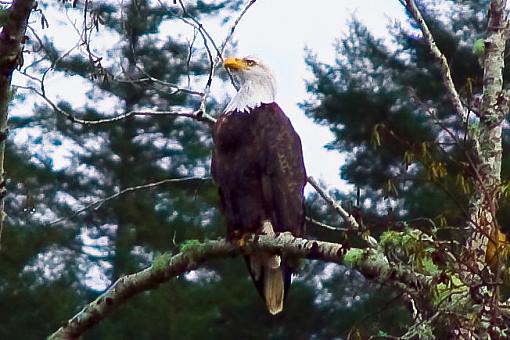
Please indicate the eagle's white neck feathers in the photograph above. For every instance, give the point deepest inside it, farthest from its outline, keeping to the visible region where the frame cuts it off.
(257, 86)
(250, 96)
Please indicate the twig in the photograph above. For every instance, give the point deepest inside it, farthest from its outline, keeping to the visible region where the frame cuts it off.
(148, 78)
(197, 115)
(410, 5)
(97, 204)
(348, 218)
(205, 36)
(228, 38)
(166, 266)
(324, 225)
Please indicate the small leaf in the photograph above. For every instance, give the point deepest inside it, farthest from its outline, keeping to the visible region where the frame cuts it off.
(408, 158)
(376, 137)
(389, 188)
(425, 151)
(479, 47)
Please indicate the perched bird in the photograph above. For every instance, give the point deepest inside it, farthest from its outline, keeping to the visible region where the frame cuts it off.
(258, 165)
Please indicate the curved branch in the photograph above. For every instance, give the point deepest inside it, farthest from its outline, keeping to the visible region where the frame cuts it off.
(372, 264)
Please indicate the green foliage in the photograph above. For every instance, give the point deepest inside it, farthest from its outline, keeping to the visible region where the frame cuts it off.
(451, 292)
(479, 47)
(354, 257)
(389, 113)
(161, 261)
(412, 246)
(190, 245)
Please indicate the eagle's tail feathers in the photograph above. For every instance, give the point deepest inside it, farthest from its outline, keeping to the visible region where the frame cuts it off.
(274, 262)
(274, 289)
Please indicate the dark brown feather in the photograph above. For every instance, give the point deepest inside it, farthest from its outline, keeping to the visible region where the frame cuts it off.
(258, 165)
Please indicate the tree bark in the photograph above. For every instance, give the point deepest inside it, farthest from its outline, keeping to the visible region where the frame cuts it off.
(12, 38)
(487, 142)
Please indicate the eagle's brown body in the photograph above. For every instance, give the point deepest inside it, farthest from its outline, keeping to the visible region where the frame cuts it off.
(258, 166)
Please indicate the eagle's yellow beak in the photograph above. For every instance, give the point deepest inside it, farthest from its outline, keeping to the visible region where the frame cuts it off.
(235, 63)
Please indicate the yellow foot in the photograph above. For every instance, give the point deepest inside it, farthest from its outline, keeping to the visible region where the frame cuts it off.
(242, 240)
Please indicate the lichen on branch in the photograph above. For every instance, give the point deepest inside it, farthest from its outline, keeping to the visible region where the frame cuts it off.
(370, 262)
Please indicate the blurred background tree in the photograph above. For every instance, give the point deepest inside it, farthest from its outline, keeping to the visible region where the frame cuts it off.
(390, 114)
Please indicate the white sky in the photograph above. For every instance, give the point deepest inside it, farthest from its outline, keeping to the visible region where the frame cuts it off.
(279, 31)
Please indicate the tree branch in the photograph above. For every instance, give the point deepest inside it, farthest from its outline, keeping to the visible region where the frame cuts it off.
(12, 38)
(348, 218)
(197, 115)
(97, 204)
(410, 5)
(369, 262)
(200, 114)
(227, 40)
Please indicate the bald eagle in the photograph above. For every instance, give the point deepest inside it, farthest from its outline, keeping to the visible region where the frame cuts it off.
(258, 165)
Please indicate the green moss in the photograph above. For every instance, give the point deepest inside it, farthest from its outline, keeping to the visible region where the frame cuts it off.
(479, 47)
(354, 257)
(161, 261)
(190, 245)
(390, 238)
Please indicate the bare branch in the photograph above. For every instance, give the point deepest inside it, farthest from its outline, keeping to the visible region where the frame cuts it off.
(97, 204)
(200, 114)
(197, 115)
(205, 35)
(148, 78)
(348, 218)
(228, 38)
(324, 225)
(410, 5)
(165, 267)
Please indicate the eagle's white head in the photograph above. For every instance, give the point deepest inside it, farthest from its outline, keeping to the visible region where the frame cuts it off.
(256, 83)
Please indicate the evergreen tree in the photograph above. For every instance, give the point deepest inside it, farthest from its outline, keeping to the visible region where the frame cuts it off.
(389, 111)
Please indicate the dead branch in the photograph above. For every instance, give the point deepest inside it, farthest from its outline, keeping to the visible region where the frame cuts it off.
(197, 115)
(97, 204)
(324, 225)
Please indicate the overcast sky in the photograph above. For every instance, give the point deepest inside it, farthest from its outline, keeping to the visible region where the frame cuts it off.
(279, 31)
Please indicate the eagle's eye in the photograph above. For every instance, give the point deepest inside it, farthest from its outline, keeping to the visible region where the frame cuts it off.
(250, 62)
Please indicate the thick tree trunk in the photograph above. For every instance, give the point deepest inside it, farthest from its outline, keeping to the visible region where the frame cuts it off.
(487, 143)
